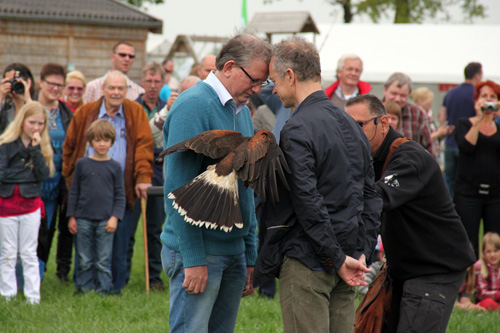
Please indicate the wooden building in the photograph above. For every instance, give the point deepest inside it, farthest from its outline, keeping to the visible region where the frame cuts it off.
(78, 34)
(272, 23)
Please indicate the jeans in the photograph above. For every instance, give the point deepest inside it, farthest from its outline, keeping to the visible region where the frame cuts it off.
(119, 256)
(313, 300)
(50, 211)
(450, 167)
(214, 310)
(94, 256)
(20, 234)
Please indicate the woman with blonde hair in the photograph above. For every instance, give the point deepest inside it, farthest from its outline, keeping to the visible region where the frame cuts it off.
(74, 90)
(25, 161)
(487, 270)
(424, 98)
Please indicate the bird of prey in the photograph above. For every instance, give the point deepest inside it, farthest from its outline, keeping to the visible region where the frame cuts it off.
(211, 199)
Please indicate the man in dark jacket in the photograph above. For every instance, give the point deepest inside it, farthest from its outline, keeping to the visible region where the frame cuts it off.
(331, 214)
(425, 243)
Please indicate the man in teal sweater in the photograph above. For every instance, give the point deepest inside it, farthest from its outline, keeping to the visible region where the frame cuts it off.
(209, 269)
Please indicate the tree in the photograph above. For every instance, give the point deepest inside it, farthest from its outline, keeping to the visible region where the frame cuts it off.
(406, 11)
(415, 11)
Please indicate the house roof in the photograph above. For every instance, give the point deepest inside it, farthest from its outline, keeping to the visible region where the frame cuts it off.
(283, 22)
(90, 12)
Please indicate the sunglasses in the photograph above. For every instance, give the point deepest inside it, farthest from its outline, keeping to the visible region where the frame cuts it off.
(78, 89)
(124, 55)
(363, 123)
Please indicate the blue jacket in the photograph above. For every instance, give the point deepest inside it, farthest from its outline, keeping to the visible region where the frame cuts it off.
(332, 209)
(24, 166)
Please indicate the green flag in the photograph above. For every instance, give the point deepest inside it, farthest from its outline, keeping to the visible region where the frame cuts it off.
(244, 18)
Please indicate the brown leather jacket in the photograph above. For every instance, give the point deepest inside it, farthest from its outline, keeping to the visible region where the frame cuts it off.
(139, 160)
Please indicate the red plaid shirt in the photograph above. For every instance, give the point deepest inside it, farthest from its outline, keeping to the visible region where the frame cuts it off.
(487, 287)
(416, 127)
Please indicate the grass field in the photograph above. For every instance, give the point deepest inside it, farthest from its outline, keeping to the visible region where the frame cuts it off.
(134, 311)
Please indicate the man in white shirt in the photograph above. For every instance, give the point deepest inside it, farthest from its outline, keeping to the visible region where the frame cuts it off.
(122, 58)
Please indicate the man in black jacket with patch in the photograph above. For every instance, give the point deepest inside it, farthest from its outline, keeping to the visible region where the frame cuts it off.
(424, 240)
(327, 225)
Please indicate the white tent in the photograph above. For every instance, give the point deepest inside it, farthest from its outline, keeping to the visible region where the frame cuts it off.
(435, 54)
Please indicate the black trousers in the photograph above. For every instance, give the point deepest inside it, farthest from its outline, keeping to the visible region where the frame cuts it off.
(155, 217)
(424, 304)
(472, 209)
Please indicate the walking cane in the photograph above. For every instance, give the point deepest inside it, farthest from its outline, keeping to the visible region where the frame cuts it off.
(145, 236)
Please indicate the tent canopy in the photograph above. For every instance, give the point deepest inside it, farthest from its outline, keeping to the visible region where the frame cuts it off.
(427, 53)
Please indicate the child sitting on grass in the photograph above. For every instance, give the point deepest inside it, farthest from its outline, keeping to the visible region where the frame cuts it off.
(486, 270)
(96, 203)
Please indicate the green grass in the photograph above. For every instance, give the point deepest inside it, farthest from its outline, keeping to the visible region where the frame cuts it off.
(134, 311)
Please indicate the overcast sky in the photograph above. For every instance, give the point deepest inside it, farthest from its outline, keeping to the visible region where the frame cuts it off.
(223, 17)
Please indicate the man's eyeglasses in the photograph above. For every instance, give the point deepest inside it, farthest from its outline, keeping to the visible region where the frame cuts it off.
(363, 123)
(53, 85)
(123, 55)
(255, 83)
(79, 89)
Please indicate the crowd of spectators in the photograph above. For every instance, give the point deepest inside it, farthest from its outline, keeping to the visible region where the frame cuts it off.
(136, 127)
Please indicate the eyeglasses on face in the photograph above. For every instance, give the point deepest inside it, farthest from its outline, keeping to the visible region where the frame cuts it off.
(255, 83)
(363, 123)
(78, 89)
(54, 85)
(123, 55)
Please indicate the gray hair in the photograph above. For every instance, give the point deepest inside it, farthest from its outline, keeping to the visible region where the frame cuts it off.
(299, 55)
(115, 73)
(242, 49)
(374, 104)
(400, 78)
(348, 56)
(154, 68)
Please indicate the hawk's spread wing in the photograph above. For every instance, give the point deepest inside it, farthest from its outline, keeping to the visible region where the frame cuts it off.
(214, 144)
(257, 164)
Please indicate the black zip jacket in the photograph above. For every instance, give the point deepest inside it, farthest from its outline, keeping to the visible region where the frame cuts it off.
(421, 232)
(332, 209)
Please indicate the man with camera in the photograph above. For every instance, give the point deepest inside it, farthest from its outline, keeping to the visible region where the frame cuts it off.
(16, 89)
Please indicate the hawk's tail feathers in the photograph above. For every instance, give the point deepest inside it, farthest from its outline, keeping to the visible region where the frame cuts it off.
(209, 200)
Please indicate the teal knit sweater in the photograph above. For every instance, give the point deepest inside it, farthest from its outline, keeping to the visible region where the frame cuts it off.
(197, 110)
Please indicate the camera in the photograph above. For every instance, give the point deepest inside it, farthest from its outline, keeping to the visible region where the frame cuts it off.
(490, 106)
(17, 86)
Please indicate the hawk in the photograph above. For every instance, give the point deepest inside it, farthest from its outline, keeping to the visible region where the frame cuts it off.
(211, 199)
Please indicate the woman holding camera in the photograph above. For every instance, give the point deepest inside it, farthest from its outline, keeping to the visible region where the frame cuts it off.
(16, 89)
(477, 188)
